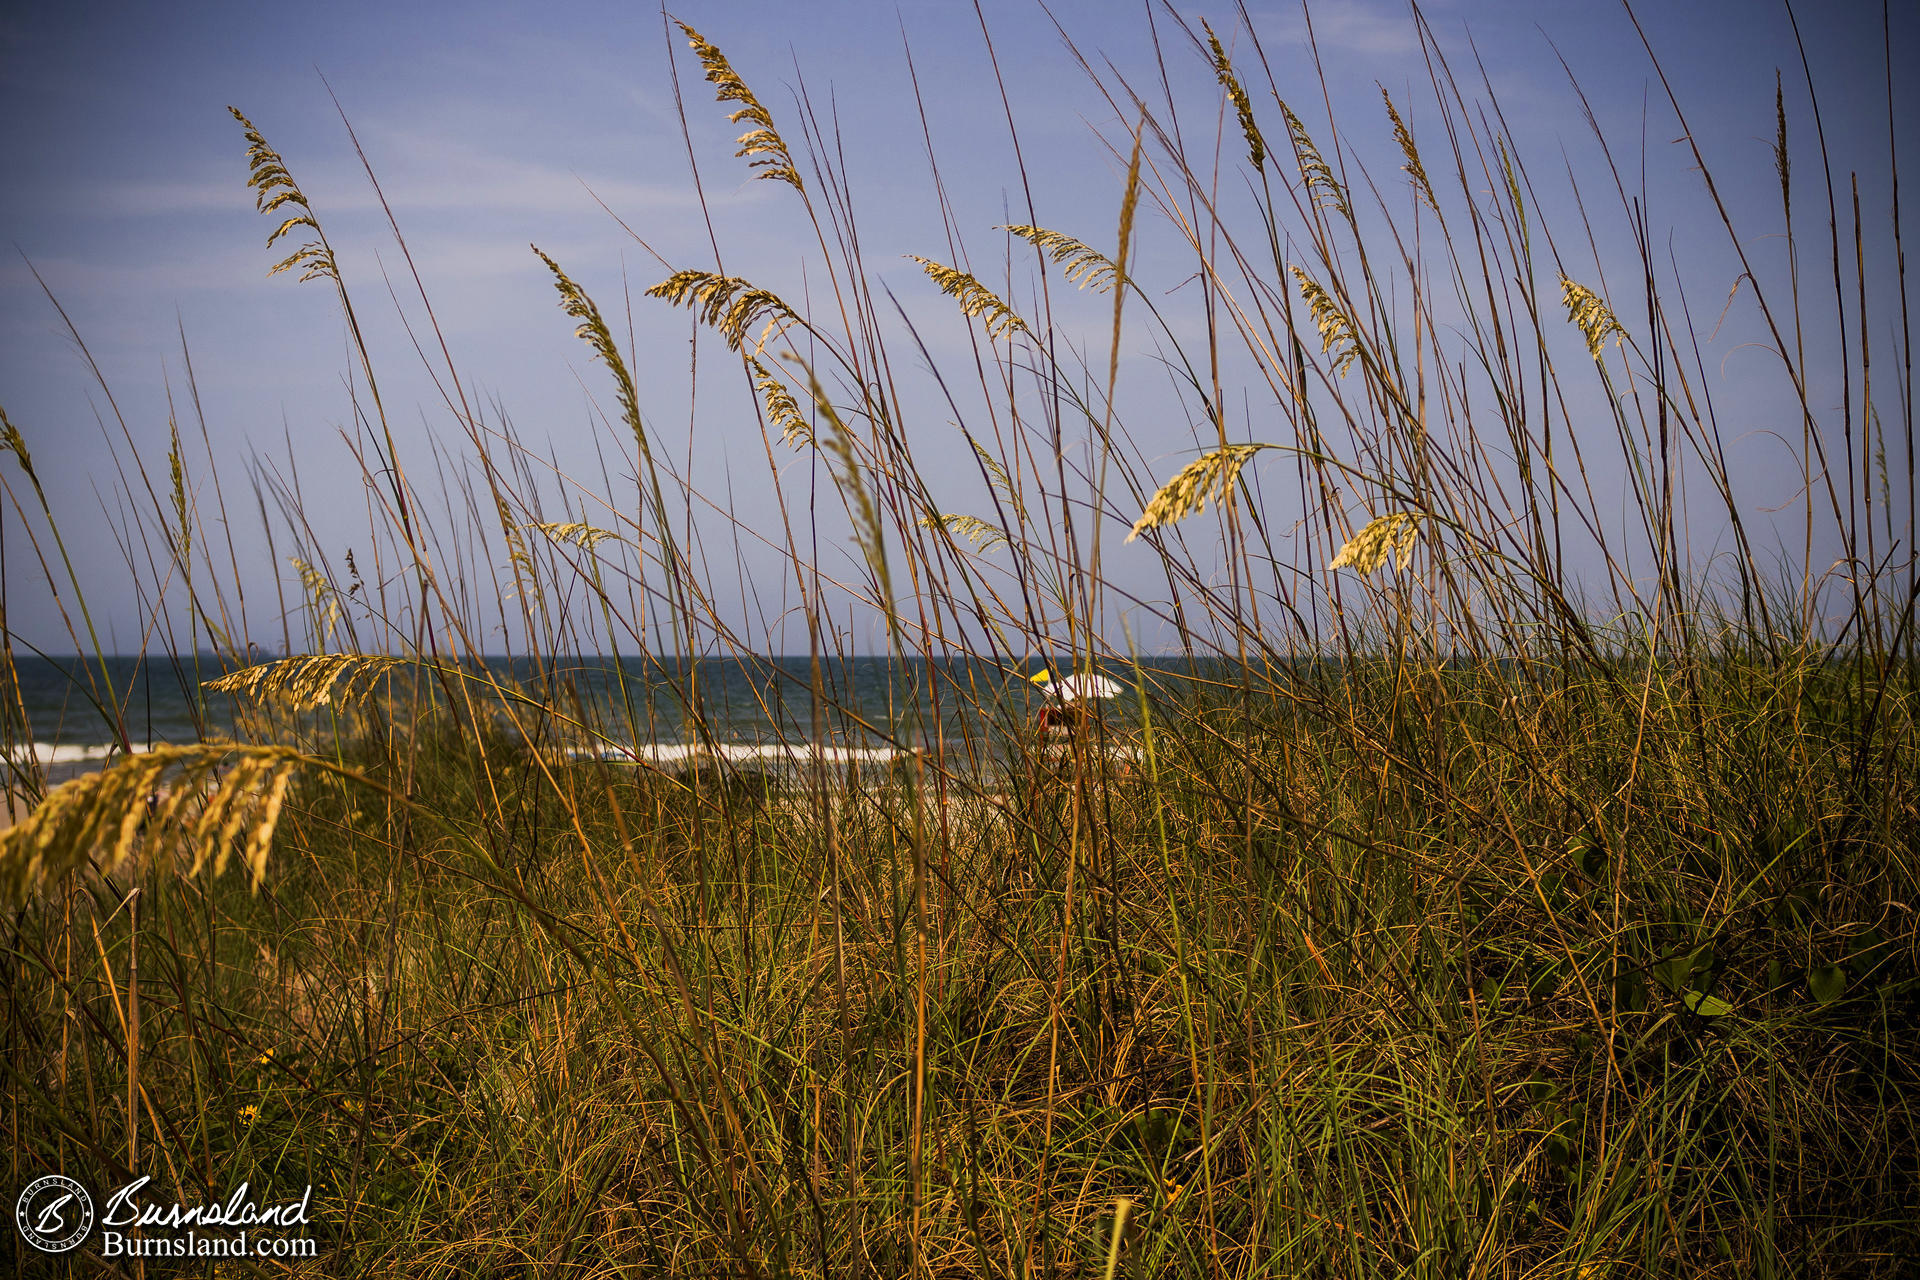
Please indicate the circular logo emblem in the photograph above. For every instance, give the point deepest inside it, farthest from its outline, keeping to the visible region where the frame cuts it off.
(54, 1214)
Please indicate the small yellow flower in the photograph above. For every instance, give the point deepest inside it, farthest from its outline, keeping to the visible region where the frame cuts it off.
(264, 1060)
(1173, 1189)
(249, 1114)
(350, 1105)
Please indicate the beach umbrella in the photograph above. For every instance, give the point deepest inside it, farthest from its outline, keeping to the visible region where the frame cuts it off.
(1084, 686)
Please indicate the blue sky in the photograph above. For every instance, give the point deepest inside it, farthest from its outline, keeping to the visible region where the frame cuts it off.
(493, 125)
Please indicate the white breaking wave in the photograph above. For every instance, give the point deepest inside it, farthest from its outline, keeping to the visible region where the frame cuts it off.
(58, 752)
(664, 755)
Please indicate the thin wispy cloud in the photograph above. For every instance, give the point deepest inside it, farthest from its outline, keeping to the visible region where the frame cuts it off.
(422, 173)
(1352, 27)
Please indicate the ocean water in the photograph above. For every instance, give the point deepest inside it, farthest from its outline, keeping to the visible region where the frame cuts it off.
(646, 704)
(71, 715)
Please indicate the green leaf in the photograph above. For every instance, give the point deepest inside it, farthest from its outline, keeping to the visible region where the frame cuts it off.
(1706, 1006)
(1826, 981)
(1674, 972)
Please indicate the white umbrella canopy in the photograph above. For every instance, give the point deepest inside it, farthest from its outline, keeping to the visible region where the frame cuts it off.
(1084, 686)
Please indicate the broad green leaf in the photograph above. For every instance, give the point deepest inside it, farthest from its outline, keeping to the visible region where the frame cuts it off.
(1674, 973)
(1706, 1006)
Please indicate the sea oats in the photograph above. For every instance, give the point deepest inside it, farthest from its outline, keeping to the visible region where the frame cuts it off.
(1515, 198)
(1336, 331)
(311, 680)
(1782, 160)
(1586, 310)
(195, 799)
(1085, 267)
(783, 411)
(761, 146)
(176, 474)
(1389, 535)
(593, 331)
(869, 532)
(997, 475)
(726, 303)
(983, 535)
(1413, 168)
(260, 834)
(517, 554)
(1242, 105)
(976, 300)
(12, 442)
(1322, 186)
(275, 188)
(584, 536)
(1210, 477)
(323, 602)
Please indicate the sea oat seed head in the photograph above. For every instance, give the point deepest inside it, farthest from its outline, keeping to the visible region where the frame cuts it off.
(983, 535)
(1084, 267)
(1242, 105)
(1334, 327)
(1211, 476)
(1368, 550)
(584, 536)
(726, 303)
(783, 411)
(141, 804)
(274, 187)
(1413, 168)
(310, 680)
(1595, 319)
(12, 442)
(1322, 186)
(761, 146)
(975, 298)
(322, 600)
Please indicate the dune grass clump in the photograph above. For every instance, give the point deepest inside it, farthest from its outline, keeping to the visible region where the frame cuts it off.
(1527, 900)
